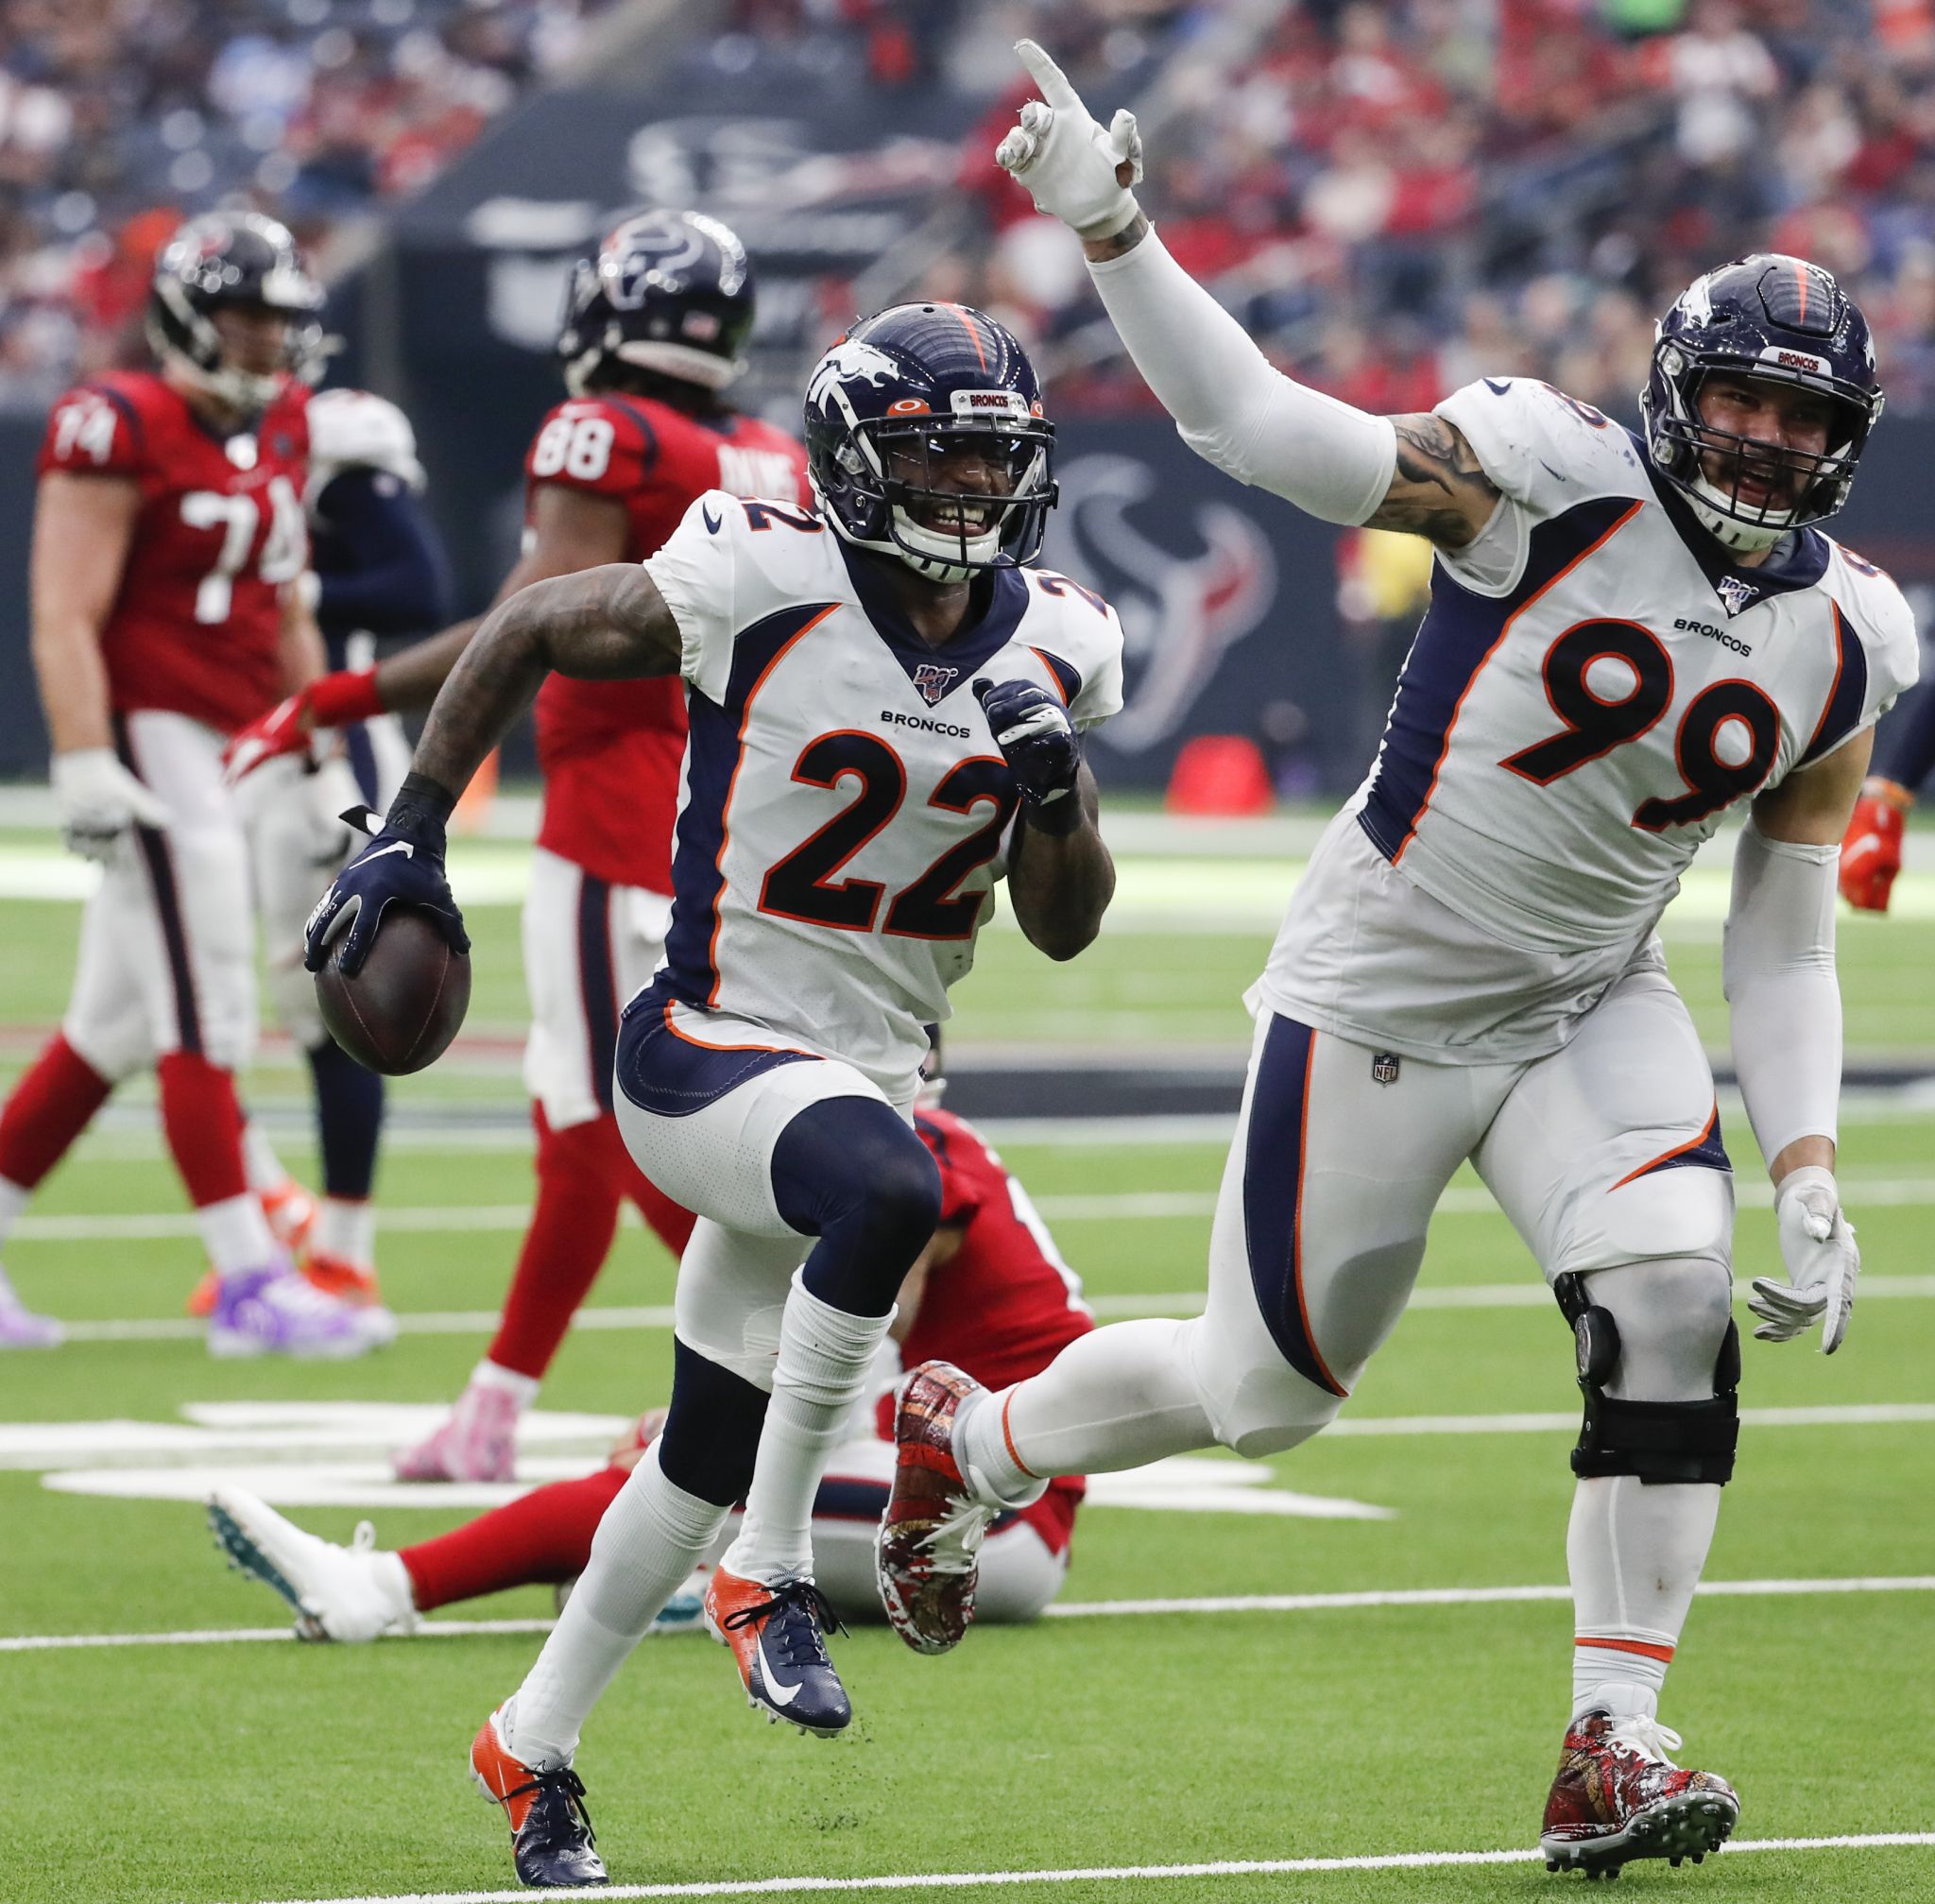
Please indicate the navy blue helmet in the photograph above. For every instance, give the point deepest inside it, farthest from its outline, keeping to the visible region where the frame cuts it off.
(1764, 317)
(668, 292)
(925, 441)
(235, 259)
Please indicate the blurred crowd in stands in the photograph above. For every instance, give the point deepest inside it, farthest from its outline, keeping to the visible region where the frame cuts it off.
(1394, 194)
(118, 116)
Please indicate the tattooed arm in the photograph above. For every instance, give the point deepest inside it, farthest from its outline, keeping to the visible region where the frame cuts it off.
(1438, 490)
(599, 624)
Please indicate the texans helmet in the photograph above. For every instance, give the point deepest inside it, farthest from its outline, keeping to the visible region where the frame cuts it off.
(233, 258)
(667, 292)
(886, 407)
(1768, 316)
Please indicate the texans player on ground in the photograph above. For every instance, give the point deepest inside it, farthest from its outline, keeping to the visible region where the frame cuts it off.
(1903, 757)
(168, 541)
(990, 1293)
(874, 689)
(654, 320)
(1628, 637)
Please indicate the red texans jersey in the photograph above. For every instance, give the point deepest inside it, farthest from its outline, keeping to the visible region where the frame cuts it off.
(610, 750)
(195, 626)
(1004, 1305)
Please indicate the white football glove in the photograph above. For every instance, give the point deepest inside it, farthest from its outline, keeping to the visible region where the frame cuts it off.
(1818, 1243)
(99, 799)
(1065, 159)
(329, 790)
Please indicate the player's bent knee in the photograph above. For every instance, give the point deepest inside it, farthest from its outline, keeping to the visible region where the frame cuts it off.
(1688, 1438)
(712, 1433)
(1254, 1401)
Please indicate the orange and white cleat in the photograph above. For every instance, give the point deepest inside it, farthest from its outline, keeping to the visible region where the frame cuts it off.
(203, 1296)
(552, 1841)
(1619, 1798)
(354, 1284)
(777, 1637)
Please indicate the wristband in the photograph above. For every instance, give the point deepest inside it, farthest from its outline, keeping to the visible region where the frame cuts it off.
(340, 700)
(419, 812)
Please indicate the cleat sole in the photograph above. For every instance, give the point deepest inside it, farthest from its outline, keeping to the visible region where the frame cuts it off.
(245, 1556)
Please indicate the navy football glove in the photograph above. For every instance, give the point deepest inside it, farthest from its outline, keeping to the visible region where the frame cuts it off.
(1039, 743)
(401, 866)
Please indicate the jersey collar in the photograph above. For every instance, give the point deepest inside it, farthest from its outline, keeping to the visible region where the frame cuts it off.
(1797, 562)
(975, 645)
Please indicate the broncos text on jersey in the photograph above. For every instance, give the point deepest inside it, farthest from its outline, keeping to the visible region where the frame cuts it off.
(843, 805)
(610, 750)
(196, 623)
(1594, 686)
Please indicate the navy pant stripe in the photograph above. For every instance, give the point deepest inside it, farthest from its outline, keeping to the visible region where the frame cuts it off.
(597, 983)
(1273, 1194)
(161, 873)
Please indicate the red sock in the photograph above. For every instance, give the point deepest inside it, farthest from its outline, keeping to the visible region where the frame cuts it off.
(52, 1104)
(579, 1185)
(546, 1535)
(203, 1124)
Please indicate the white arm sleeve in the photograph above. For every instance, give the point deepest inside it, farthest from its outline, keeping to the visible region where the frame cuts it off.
(1232, 405)
(1778, 972)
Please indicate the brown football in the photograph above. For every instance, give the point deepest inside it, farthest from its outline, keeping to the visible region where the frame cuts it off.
(399, 1012)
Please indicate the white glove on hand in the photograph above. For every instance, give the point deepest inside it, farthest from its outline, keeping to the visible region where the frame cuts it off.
(99, 799)
(1065, 159)
(330, 790)
(1818, 1243)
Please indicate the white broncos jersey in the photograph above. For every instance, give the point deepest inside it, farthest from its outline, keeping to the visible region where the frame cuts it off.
(1594, 685)
(843, 806)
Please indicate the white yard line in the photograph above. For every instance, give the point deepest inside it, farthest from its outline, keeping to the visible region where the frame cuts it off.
(1530, 1294)
(1103, 1874)
(1076, 1609)
(1067, 1207)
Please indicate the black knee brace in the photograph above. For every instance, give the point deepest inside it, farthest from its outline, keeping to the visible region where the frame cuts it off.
(711, 1430)
(1657, 1441)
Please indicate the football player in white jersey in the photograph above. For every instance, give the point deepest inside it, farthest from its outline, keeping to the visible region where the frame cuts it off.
(1627, 636)
(876, 689)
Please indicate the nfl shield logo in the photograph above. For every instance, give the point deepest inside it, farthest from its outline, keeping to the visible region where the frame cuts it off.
(932, 680)
(1736, 595)
(1384, 1068)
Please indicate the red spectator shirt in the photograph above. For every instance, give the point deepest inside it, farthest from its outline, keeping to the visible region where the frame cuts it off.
(194, 628)
(1004, 1305)
(610, 751)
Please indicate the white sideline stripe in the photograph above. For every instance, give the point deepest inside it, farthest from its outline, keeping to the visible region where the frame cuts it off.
(1227, 1867)
(1461, 1200)
(1078, 1609)
(1530, 1293)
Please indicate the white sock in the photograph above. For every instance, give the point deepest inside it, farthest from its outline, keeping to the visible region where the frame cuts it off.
(522, 1389)
(394, 1579)
(347, 1229)
(650, 1540)
(1635, 1552)
(259, 1159)
(825, 1354)
(1119, 1397)
(13, 1199)
(236, 1235)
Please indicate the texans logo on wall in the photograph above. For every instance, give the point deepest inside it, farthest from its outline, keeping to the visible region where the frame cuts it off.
(1194, 576)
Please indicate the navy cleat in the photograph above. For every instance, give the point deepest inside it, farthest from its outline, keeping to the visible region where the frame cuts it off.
(777, 1635)
(551, 1838)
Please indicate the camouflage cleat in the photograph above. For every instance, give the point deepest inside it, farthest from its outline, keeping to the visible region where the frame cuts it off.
(925, 1552)
(1619, 1798)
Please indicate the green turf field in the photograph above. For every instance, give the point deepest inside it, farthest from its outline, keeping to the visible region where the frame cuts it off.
(232, 1773)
